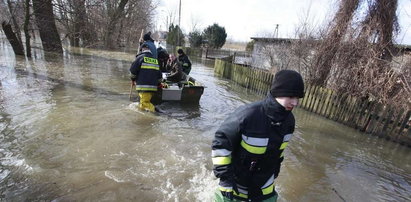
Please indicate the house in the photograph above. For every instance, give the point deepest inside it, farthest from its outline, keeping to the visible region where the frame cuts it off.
(271, 52)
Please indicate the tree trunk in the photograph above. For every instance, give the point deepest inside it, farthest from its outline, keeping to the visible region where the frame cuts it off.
(114, 16)
(11, 36)
(43, 10)
(26, 27)
(13, 19)
(82, 28)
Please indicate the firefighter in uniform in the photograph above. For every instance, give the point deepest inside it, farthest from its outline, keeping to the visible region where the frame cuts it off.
(145, 74)
(248, 147)
(185, 61)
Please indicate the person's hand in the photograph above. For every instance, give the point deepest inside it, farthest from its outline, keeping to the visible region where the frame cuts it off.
(133, 83)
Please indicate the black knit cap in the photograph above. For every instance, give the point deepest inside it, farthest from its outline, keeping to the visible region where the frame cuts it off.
(147, 37)
(287, 83)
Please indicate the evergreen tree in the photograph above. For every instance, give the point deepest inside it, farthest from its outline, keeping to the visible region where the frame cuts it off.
(175, 36)
(196, 39)
(215, 35)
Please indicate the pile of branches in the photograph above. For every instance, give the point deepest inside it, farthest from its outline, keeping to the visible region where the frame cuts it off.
(358, 57)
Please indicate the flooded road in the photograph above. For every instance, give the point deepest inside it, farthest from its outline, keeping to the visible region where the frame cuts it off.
(70, 133)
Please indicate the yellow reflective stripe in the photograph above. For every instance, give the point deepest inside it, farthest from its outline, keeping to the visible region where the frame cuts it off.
(151, 60)
(150, 67)
(253, 149)
(240, 195)
(226, 189)
(147, 89)
(255, 141)
(282, 154)
(268, 190)
(221, 160)
(283, 145)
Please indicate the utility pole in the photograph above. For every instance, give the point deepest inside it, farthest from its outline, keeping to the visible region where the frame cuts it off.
(179, 26)
(276, 31)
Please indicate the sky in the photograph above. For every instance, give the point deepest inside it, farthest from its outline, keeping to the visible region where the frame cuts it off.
(243, 19)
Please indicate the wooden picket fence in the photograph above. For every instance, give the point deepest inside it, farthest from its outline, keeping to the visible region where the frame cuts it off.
(368, 116)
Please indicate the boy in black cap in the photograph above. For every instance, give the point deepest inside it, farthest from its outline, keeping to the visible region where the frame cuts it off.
(248, 148)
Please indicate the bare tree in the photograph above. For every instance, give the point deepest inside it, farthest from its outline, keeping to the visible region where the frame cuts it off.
(334, 37)
(26, 27)
(13, 9)
(12, 37)
(43, 11)
(114, 13)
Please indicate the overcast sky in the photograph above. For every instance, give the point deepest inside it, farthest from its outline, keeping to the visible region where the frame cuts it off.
(243, 19)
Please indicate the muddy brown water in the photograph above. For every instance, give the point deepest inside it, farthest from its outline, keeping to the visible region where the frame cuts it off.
(69, 133)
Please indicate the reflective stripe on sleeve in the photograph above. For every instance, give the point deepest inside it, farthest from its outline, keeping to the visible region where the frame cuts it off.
(221, 160)
(242, 191)
(226, 189)
(287, 137)
(220, 152)
(241, 195)
(268, 187)
(283, 145)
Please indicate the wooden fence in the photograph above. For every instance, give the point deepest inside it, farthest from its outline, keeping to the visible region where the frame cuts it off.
(368, 116)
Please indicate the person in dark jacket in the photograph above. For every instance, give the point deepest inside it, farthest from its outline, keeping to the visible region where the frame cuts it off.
(248, 147)
(163, 56)
(176, 70)
(145, 74)
(150, 42)
(185, 61)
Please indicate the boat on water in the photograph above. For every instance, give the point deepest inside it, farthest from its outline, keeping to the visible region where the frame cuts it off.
(188, 91)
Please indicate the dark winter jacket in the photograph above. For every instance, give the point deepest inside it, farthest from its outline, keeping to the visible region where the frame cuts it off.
(145, 71)
(186, 63)
(248, 148)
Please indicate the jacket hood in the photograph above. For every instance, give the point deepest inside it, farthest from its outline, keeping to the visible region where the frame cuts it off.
(144, 52)
(274, 110)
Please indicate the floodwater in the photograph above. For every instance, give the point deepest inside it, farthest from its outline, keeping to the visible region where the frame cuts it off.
(70, 133)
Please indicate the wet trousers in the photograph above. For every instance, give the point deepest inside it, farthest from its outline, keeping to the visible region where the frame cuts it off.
(218, 197)
(145, 101)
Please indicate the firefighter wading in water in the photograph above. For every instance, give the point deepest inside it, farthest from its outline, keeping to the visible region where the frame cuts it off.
(145, 72)
(248, 148)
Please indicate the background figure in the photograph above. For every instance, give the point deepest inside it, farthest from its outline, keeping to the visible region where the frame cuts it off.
(163, 57)
(248, 148)
(145, 74)
(185, 61)
(150, 43)
(176, 70)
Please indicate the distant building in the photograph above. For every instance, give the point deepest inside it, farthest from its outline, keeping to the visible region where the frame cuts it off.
(160, 37)
(270, 52)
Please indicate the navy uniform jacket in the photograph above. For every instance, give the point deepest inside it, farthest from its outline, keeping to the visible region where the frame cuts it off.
(146, 72)
(248, 148)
